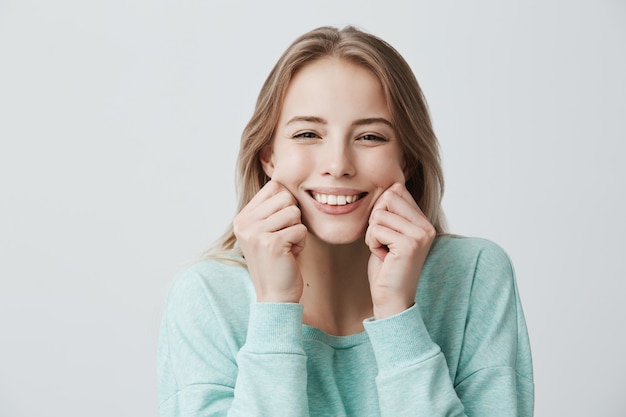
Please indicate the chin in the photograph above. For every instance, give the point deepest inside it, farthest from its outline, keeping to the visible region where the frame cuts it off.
(332, 236)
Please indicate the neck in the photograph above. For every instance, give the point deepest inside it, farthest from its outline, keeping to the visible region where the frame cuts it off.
(336, 294)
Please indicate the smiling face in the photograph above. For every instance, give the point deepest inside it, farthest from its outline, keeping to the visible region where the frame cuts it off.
(335, 148)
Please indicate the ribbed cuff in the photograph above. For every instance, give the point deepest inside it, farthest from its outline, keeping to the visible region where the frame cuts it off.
(275, 328)
(401, 340)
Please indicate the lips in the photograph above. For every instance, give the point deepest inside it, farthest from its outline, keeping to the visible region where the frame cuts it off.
(336, 199)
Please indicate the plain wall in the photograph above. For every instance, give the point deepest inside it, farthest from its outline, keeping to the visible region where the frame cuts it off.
(119, 127)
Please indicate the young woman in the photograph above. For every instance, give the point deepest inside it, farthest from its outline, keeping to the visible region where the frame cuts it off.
(336, 291)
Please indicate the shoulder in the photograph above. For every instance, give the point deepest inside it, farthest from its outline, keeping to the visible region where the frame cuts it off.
(203, 326)
(466, 267)
(468, 295)
(211, 284)
(211, 275)
(451, 254)
(477, 273)
(462, 249)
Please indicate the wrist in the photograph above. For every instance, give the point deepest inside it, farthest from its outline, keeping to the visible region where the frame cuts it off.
(390, 309)
(277, 297)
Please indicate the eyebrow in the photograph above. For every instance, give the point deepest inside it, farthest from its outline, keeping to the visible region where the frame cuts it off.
(359, 122)
(310, 119)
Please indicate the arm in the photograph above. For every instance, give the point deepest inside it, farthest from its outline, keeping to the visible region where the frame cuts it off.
(414, 378)
(272, 376)
(495, 365)
(204, 372)
(198, 345)
(494, 373)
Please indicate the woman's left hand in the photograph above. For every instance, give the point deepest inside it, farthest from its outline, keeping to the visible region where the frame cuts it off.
(399, 236)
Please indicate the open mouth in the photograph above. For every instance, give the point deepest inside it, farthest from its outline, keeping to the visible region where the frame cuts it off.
(336, 199)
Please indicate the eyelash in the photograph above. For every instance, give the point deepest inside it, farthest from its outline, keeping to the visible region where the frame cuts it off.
(368, 137)
(373, 138)
(306, 135)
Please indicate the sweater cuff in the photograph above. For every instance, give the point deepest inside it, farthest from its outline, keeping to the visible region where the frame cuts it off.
(275, 328)
(401, 340)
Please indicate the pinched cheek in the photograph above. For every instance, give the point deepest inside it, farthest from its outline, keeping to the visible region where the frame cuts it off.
(291, 168)
(386, 176)
(385, 180)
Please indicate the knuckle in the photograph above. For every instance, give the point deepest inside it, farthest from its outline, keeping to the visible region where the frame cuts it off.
(285, 197)
(295, 211)
(377, 215)
(387, 196)
(428, 231)
(290, 215)
(238, 227)
(424, 235)
(300, 228)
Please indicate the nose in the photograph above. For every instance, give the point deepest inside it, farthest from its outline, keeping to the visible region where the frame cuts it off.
(337, 159)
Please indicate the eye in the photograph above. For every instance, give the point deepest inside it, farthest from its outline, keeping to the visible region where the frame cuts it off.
(306, 135)
(372, 138)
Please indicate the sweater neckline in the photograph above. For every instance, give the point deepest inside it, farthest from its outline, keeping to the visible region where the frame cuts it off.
(337, 342)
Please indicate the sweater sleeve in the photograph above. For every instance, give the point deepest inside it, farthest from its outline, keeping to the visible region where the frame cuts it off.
(413, 377)
(272, 377)
(204, 370)
(494, 373)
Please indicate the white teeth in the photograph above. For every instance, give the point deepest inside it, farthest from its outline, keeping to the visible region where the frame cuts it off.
(335, 200)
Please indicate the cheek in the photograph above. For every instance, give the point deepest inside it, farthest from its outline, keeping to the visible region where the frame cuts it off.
(290, 167)
(386, 174)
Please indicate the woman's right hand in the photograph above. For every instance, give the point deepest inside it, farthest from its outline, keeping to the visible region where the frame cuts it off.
(270, 233)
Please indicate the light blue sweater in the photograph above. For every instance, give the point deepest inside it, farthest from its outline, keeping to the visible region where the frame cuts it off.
(462, 349)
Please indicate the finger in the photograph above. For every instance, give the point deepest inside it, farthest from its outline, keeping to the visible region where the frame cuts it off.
(403, 192)
(285, 217)
(419, 231)
(375, 246)
(392, 202)
(269, 190)
(396, 190)
(394, 221)
(378, 238)
(294, 236)
(373, 239)
(392, 231)
(384, 236)
(270, 204)
(398, 243)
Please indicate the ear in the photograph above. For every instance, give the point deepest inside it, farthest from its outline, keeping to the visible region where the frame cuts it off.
(267, 160)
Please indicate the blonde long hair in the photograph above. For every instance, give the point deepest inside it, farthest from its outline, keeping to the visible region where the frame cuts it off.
(405, 100)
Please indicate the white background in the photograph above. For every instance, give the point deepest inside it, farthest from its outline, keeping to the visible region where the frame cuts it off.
(119, 127)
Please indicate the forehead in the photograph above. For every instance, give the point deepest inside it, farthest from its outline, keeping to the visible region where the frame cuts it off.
(335, 87)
